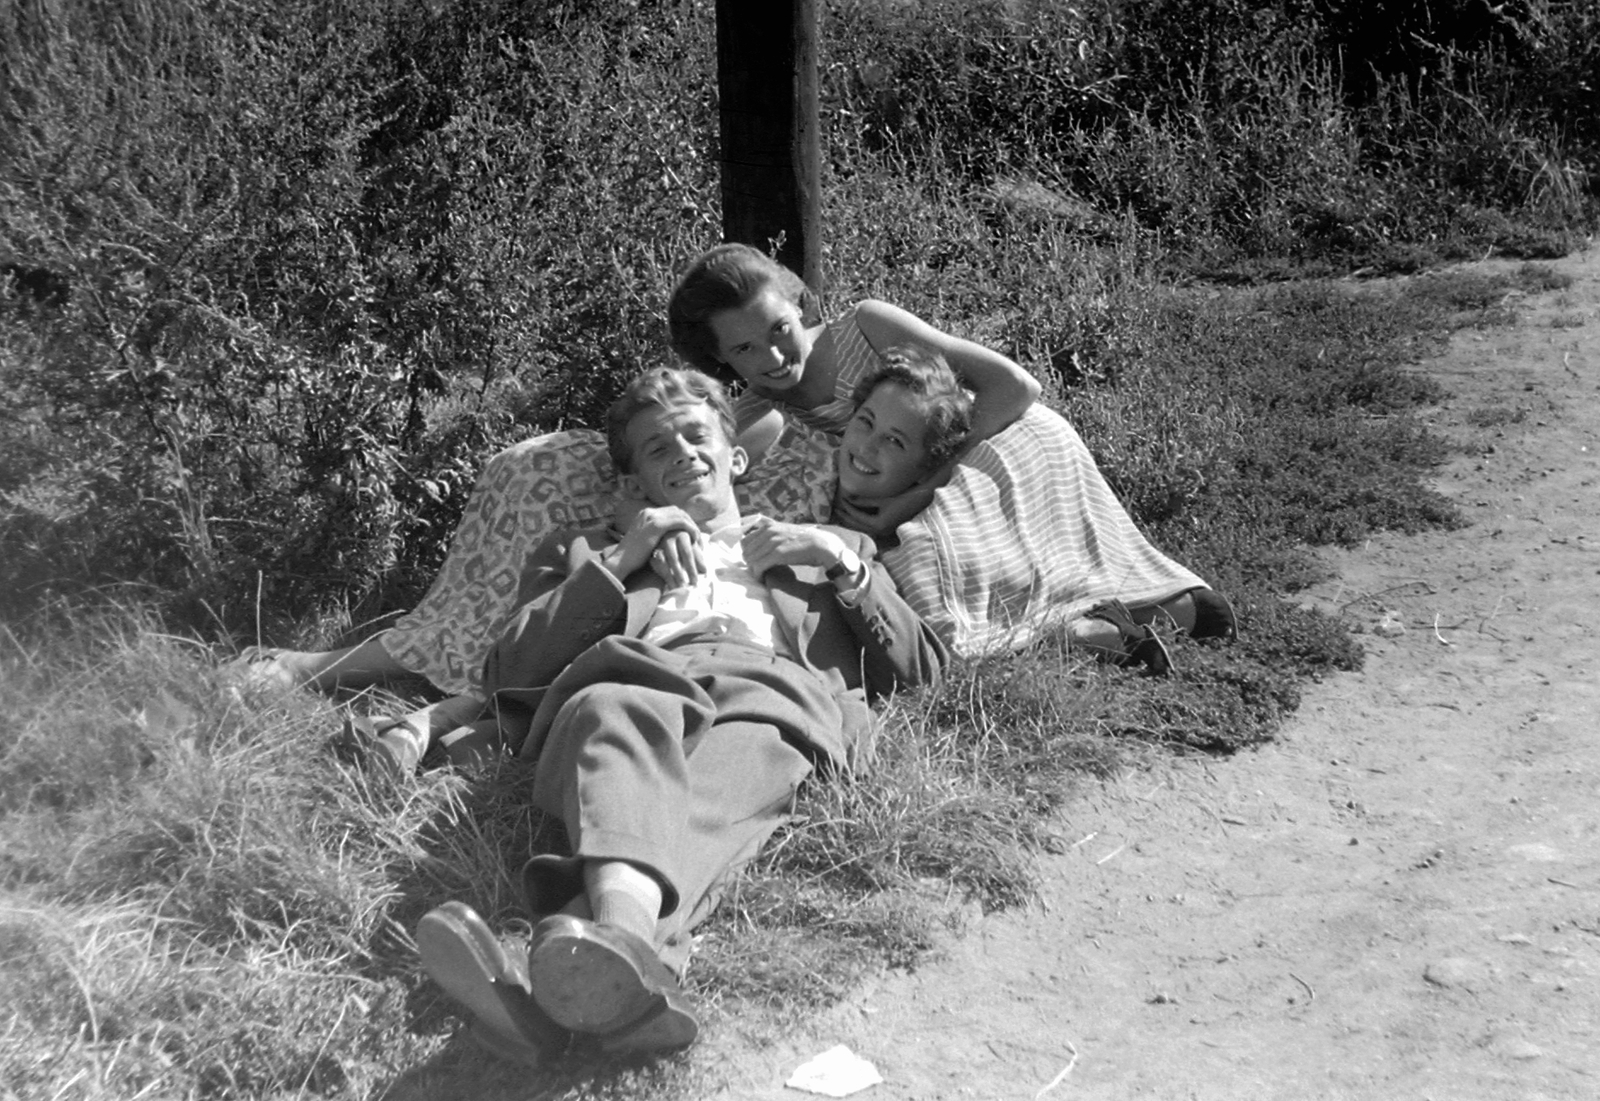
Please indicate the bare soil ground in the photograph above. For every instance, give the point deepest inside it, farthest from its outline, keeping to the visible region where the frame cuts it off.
(1400, 898)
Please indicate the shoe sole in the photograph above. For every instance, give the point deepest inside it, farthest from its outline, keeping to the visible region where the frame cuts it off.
(671, 1028)
(462, 955)
(586, 986)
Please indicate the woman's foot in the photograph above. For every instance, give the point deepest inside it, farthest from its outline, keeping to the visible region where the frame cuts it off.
(263, 667)
(1110, 632)
(394, 746)
(360, 666)
(1198, 613)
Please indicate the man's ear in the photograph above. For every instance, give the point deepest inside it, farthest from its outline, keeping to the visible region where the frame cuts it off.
(740, 460)
(631, 487)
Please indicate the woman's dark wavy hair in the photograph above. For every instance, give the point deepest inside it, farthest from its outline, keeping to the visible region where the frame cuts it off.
(925, 373)
(662, 388)
(728, 277)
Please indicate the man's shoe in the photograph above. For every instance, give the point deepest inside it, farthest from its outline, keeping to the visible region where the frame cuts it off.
(674, 1025)
(607, 981)
(465, 958)
(550, 882)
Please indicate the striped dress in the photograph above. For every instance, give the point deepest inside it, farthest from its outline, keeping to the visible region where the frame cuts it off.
(1025, 536)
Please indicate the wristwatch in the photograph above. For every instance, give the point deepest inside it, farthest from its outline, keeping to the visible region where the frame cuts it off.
(849, 575)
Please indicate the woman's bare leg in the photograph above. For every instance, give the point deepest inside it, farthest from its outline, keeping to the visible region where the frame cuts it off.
(359, 666)
(1177, 613)
(1097, 636)
(1198, 613)
(410, 737)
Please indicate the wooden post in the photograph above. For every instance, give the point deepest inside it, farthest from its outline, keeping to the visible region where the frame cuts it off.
(771, 149)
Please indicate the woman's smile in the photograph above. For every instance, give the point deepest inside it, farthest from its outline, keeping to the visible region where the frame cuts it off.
(764, 341)
(882, 453)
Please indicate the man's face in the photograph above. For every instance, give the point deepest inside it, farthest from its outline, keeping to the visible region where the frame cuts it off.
(682, 457)
(881, 453)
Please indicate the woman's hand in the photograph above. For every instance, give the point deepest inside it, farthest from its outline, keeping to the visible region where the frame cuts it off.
(1001, 389)
(769, 543)
(881, 516)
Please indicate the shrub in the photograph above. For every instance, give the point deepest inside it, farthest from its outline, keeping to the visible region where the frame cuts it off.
(1245, 128)
(319, 264)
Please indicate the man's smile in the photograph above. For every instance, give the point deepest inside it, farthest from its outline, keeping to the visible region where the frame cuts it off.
(689, 477)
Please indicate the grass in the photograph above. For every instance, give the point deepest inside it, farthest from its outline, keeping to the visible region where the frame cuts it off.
(304, 291)
(200, 900)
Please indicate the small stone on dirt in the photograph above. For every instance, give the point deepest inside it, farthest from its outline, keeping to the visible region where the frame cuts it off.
(1390, 625)
(1457, 971)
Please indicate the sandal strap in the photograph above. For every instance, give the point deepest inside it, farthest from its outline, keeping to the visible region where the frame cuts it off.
(1140, 643)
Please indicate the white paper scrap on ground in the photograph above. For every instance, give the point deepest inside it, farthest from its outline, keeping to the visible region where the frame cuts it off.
(837, 1072)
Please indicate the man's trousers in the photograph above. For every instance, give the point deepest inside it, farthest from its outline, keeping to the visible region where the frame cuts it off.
(679, 759)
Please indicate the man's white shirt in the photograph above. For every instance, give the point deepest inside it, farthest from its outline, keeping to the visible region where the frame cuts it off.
(725, 602)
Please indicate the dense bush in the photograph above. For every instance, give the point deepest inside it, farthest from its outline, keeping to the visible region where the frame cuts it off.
(317, 264)
(1244, 128)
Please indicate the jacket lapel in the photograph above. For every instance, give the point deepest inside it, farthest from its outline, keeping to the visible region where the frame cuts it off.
(791, 608)
(644, 595)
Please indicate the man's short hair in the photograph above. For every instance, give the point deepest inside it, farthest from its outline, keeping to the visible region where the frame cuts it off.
(662, 388)
(925, 373)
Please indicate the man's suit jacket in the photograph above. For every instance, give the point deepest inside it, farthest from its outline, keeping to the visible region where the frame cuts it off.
(570, 601)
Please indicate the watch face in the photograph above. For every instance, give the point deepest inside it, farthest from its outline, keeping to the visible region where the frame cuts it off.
(856, 573)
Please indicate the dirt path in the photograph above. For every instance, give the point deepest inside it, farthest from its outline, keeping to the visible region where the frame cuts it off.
(1398, 899)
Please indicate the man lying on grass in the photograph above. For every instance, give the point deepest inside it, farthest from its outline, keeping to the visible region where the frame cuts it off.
(671, 726)
(911, 423)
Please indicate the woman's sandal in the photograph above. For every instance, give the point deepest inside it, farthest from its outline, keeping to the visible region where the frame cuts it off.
(260, 667)
(1140, 644)
(394, 745)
